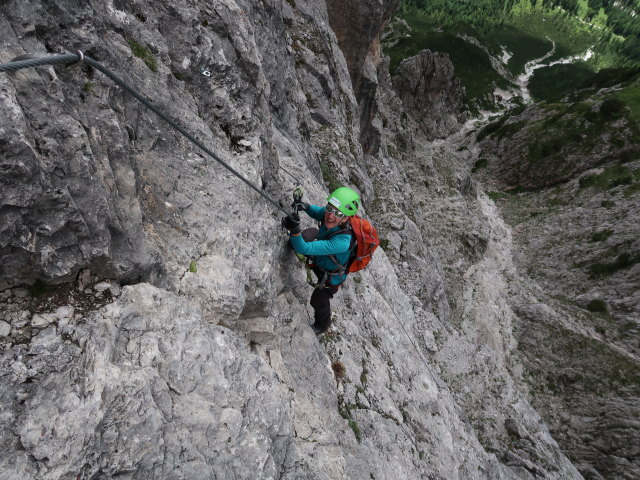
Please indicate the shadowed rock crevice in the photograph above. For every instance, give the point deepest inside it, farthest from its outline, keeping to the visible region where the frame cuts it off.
(431, 93)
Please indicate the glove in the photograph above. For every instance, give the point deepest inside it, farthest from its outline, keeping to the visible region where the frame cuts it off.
(299, 205)
(292, 223)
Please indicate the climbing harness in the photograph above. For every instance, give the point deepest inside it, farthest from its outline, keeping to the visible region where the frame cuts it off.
(72, 58)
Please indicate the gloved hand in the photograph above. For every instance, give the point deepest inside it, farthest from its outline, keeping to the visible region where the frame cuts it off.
(299, 205)
(292, 223)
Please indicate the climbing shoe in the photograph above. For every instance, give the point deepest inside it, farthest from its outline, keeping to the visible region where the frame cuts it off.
(317, 330)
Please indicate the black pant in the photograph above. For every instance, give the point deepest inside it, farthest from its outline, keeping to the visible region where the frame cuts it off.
(321, 297)
(321, 303)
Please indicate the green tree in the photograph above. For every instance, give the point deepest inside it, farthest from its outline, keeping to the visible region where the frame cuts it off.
(600, 20)
(582, 9)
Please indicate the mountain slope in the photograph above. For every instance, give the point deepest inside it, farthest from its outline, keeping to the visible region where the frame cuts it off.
(574, 209)
(204, 366)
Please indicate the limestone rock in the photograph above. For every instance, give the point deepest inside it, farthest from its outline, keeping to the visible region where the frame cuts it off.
(431, 93)
(547, 145)
(214, 371)
(5, 328)
(357, 26)
(576, 236)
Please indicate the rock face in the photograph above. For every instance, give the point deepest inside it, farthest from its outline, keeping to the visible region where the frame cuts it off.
(357, 26)
(207, 368)
(576, 238)
(579, 331)
(546, 145)
(431, 93)
(58, 211)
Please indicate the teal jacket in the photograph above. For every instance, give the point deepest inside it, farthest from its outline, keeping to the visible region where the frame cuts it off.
(318, 250)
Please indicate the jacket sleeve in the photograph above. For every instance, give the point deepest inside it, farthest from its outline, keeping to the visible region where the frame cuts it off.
(316, 212)
(337, 244)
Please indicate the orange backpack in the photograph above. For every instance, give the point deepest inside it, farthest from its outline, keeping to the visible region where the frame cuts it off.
(366, 242)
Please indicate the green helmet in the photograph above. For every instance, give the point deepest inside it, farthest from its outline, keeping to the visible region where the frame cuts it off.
(345, 200)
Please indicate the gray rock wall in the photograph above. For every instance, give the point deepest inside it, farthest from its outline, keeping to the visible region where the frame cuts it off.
(431, 93)
(576, 242)
(547, 145)
(357, 26)
(208, 369)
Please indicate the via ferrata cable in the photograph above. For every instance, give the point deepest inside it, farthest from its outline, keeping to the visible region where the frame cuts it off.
(68, 58)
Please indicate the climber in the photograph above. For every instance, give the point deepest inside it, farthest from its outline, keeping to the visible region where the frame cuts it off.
(328, 247)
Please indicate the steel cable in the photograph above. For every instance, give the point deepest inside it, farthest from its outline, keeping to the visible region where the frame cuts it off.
(80, 57)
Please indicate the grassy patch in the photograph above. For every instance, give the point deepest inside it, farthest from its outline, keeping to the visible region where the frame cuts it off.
(597, 306)
(495, 196)
(582, 364)
(356, 430)
(632, 190)
(345, 412)
(363, 376)
(609, 178)
(500, 128)
(579, 127)
(603, 370)
(610, 77)
(553, 83)
(329, 177)
(144, 54)
(517, 189)
(508, 129)
(631, 97)
(329, 337)
(482, 163)
(612, 109)
(601, 236)
(490, 129)
(605, 78)
(628, 326)
(556, 201)
(624, 260)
